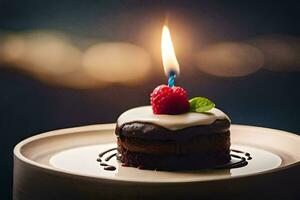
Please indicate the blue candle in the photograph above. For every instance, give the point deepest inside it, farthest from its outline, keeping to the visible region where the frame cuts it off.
(171, 80)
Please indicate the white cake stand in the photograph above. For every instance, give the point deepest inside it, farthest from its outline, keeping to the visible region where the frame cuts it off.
(62, 165)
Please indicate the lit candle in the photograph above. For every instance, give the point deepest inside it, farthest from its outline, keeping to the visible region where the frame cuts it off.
(170, 100)
(170, 63)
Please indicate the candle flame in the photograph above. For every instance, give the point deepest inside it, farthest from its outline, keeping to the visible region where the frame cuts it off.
(170, 62)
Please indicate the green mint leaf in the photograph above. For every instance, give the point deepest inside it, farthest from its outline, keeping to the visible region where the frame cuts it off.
(200, 104)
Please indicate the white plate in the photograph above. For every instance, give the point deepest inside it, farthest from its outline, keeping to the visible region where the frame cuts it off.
(70, 154)
(82, 160)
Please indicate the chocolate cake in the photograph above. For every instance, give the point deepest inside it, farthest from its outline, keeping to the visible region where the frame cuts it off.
(173, 142)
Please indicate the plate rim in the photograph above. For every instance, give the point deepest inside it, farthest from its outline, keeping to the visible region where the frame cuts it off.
(109, 126)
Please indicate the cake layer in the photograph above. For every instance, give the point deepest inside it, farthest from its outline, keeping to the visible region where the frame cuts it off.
(173, 162)
(173, 142)
(150, 131)
(205, 143)
(172, 122)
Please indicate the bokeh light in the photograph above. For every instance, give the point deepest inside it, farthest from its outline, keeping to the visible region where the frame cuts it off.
(117, 62)
(50, 54)
(229, 59)
(52, 58)
(281, 53)
(12, 48)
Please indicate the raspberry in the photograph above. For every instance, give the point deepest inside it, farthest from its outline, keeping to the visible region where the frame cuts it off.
(169, 100)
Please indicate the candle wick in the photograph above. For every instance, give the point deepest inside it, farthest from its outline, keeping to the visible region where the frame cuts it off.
(171, 80)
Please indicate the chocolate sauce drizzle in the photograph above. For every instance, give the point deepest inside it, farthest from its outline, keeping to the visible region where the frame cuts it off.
(246, 154)
(240, 157)
(105, 165)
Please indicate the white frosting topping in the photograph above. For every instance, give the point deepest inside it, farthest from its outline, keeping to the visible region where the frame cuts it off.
(171, 122)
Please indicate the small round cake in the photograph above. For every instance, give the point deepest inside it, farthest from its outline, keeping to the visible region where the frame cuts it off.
(190, 140)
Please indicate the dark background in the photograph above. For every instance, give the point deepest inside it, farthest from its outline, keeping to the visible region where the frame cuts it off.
(28, 105)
